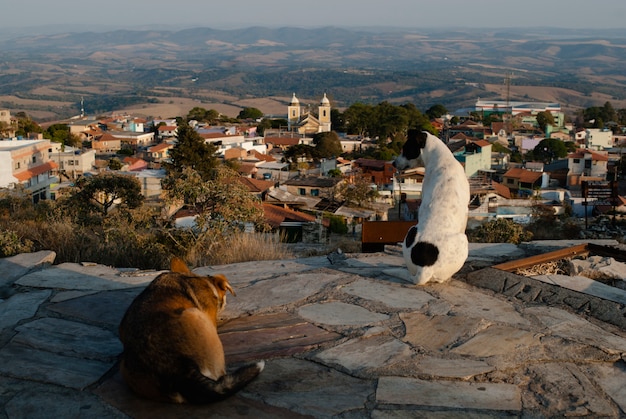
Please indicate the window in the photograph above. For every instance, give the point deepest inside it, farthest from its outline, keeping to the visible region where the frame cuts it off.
(315, 192)
(510, 181)
(34, 159)
(576, 161)
(301, 191)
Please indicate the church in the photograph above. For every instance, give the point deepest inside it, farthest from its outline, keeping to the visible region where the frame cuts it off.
(305, 122)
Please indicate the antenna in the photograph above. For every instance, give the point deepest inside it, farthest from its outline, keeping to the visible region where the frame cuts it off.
(507, 82)
(82, 107)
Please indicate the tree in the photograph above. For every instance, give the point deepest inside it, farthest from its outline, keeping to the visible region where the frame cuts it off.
(250, 113)
(191, 151)
(549, 149)
(358, 118)
(544, 119)
(327, 144)
(99, 193)
(357, 192)
(222, 203)
(436, 111)
(201, 114)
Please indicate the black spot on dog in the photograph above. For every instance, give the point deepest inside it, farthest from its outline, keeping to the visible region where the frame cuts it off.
(410, 236)
(424, 254)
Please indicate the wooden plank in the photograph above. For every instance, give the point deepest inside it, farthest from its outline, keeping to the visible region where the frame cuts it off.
(543, 258)
(385, 232)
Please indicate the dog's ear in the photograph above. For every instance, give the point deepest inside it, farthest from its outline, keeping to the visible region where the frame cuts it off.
(178, 265)
(222, 283)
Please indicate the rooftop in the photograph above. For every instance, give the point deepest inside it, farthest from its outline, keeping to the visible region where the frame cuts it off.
(342, 336)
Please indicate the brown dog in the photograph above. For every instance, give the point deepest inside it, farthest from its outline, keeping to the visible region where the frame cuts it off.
(171, 348)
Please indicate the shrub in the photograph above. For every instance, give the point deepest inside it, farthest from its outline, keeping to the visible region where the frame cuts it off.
(500, 230)
(11, 244)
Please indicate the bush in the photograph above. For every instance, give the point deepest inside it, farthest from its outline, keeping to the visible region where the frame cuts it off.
(11, 244)
(500, 230)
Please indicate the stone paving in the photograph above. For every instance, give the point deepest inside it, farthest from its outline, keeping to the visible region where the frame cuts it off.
(342, 336)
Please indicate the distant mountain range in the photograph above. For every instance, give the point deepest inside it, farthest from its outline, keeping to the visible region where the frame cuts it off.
(578, 68)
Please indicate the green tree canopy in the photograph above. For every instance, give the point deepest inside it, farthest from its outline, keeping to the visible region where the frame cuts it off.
(544, 119)
(250, 113)
(203, 115)
(191, 151)
(549, 149)
(436, 111)
(222, 203)
(99, 193)
(357, 192)
(327, 144)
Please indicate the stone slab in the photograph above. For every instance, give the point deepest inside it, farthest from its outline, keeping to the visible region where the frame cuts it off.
(278, 291)
(75, 276)
(391, 295)
(246, 272)
(451, 394)
(103, 308)
(21, 306)
(498, 340)
(270, 336)
(570, 326)
(477, 304)
(585, 285)
(463, 369)
(115, 392)
(436, 333)
(308, 388)
(23, 362)
(564, 390)
(358, 354)
(611, 378)
(15, 267)
(337, 313)
(69, 338)
(27, 399)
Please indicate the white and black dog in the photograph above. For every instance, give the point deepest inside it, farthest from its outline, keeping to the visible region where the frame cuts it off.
(436, 248)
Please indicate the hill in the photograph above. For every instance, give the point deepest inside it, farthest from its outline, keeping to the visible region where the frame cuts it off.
(159, 71)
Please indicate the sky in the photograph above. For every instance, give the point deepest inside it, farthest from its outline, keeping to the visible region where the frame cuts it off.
(223, 14)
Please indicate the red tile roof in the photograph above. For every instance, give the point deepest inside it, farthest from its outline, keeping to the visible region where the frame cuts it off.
(275, 215)
(35, 171)
(524, 176)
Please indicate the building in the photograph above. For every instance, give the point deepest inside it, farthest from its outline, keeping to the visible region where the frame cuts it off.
(522, 182)
(304, 122)
(7, 124)
(72, 162)
(27, 163)
(598, 139)
(586, 165)
(312, 187)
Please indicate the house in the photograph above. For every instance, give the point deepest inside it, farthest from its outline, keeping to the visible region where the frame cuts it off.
(167, 131)
(257, 187)
(476, 158)
(312, 186)
(522, 181)
(106, 143)
(295, 226)
(8, 125)
(159, 152)
(27, 163)
(71, 162)
(133, 140)
(586, 165)
(378, 172)
(598, 139)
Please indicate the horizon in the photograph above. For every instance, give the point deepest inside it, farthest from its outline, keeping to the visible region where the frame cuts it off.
(399, 14)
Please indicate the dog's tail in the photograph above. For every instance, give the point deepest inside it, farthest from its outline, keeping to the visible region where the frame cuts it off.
(197, 388)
